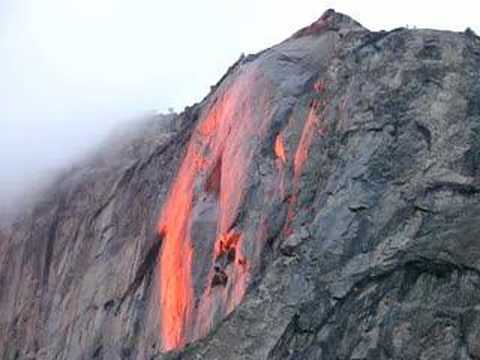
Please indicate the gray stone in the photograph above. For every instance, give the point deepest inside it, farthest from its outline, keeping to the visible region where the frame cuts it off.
(371, 250)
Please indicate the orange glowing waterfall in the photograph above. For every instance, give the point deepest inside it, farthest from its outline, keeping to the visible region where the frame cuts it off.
(308, 133)
(176, 259)
(213, 175)
(207, 258)
(311, 128)
(280, 148)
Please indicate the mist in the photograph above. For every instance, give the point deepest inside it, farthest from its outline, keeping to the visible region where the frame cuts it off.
(71, 71)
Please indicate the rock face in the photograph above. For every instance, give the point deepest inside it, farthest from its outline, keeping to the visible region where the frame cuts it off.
(322, 202)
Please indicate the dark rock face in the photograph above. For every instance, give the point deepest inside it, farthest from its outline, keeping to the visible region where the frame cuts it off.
(356, 215)
(77, 273)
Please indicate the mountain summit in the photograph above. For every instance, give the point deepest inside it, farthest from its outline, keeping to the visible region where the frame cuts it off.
(322, 202)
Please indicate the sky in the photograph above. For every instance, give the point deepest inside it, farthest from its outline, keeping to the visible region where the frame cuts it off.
(71, 70)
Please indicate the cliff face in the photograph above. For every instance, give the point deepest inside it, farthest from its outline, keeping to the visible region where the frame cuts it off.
(321, 202)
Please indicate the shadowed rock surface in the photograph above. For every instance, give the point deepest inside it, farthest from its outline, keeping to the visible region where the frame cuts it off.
(357, 214)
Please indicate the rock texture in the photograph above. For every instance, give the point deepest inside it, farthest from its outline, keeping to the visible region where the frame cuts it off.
(329, 199)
